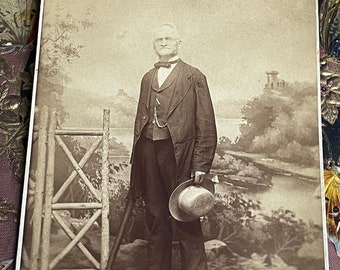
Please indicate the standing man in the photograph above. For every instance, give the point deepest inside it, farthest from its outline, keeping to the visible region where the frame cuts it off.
(174, 139)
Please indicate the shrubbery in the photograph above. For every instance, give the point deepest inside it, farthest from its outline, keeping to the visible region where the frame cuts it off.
(232, 220)
(239, 222)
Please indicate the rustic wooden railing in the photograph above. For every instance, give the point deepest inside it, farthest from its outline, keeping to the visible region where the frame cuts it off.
(46, 201)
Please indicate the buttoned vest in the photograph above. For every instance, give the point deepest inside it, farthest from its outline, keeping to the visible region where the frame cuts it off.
(160, 101)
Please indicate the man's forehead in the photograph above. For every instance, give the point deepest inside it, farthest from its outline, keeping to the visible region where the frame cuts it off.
(164, 30)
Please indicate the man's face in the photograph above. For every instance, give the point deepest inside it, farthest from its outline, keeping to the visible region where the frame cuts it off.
(166, 42)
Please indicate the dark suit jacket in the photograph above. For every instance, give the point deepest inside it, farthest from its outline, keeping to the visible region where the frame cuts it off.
(191, 123)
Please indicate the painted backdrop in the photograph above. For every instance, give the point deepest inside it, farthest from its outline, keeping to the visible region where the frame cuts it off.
(260, 59)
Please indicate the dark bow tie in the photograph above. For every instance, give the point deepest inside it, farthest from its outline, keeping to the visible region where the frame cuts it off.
(165, 64)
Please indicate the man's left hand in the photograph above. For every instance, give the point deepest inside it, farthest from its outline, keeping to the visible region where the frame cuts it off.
(198, 177)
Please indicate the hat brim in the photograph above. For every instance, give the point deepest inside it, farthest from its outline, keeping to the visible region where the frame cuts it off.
(174, 209)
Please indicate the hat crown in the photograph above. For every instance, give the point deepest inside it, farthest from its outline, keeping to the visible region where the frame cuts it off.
(189, 201)
(196, 201)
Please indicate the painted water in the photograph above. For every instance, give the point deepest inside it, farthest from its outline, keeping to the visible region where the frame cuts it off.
(287, 192)
(301, 196)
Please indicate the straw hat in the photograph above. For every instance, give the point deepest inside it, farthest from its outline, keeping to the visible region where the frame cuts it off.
(190, 201)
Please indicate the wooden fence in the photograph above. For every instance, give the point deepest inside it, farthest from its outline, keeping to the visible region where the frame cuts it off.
(47, 202)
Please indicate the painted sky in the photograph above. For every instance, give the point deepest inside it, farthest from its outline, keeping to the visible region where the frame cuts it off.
(233, 42)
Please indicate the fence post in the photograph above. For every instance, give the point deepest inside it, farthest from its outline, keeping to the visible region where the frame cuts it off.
(46, 230)
(105, 191)
(39, 189)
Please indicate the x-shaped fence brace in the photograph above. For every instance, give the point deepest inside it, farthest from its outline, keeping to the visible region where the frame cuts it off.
(52, 204)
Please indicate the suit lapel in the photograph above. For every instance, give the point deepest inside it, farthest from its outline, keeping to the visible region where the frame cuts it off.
(145, 98)
(182, 85)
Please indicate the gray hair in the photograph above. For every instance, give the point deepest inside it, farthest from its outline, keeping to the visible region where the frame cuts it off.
(169, 24)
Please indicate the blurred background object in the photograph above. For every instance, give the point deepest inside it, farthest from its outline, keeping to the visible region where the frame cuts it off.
(18, 32)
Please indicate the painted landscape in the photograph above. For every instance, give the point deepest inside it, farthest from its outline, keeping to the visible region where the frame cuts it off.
(267, 212)
(268, 183)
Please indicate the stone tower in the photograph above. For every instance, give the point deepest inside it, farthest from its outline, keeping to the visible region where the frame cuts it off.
(273, 82)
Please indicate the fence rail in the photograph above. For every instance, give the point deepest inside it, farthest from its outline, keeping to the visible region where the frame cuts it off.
(47, 205)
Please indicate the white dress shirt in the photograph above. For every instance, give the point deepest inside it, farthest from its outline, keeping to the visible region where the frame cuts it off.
(164, 72)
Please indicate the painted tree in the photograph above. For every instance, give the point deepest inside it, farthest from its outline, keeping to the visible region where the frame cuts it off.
(282, 125)
(58, 49)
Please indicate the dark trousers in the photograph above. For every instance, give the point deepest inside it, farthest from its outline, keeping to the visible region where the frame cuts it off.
(159, 165)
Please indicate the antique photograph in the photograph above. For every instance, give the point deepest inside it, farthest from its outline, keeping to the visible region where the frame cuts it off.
(175, 135)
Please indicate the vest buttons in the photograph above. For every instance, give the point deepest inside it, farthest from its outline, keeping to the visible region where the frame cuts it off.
(144, 117)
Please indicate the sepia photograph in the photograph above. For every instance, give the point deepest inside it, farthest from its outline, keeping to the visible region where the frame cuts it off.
(175, 135)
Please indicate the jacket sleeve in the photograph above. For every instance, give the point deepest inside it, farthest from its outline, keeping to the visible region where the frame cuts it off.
(206, 135)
